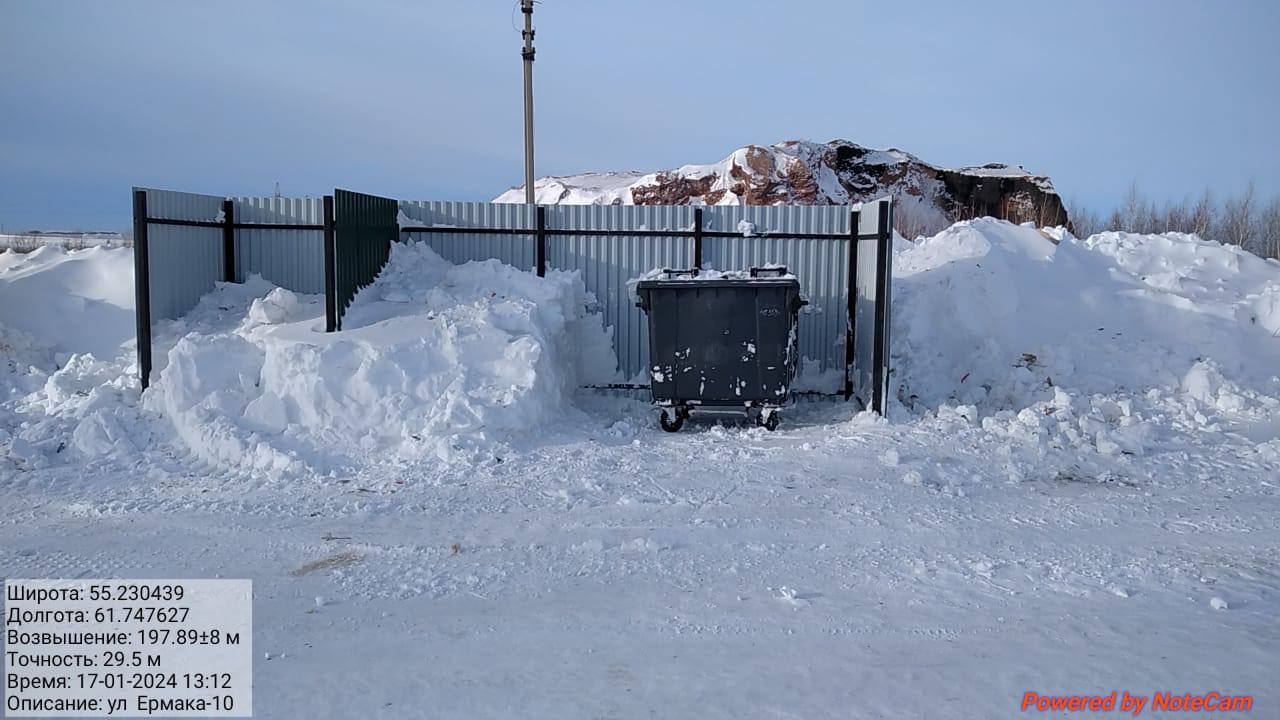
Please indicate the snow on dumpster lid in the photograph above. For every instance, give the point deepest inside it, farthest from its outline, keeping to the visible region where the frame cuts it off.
(766, 272)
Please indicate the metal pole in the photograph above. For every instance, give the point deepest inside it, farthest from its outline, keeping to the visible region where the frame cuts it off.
(142, 287)
(228, 241)
(851, 321)
(526, 7)
(541, 249)
(697, 238)
(330, 271)
(884, 265)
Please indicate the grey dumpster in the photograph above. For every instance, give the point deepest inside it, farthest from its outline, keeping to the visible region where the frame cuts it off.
(722, 343)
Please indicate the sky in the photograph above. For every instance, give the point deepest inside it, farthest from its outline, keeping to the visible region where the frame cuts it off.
(422, 100)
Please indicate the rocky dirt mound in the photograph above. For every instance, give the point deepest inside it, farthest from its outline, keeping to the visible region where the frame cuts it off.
(835, 173)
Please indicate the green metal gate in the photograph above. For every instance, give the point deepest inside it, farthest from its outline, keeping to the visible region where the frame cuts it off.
(364, 226)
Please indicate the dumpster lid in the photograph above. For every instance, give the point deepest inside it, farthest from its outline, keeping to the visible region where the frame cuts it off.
(772, 276)
(717, 282)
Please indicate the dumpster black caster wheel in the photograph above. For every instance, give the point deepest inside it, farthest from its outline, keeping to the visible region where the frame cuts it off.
(770, 421)
(669, 424)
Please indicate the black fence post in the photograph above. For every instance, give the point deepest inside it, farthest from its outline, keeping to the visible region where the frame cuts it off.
(142, 287)
(855, 221)
(542, 242)
(330, 279)
(228, 241)
(884, 266)
(697, 238)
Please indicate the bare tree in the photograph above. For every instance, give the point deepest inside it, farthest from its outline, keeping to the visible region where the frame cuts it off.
(1134, 215)
(1174, 217)
(1084, 221)
(1204, 215)
(1243, 220)
(1238, 215)
(1269, 230)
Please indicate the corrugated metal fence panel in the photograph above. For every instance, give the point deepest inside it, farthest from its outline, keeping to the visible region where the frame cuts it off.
(864, 317)
(821, 265)
(364, 228)
(184, 262)
(517, 250)
(608, 263)
(292, 259)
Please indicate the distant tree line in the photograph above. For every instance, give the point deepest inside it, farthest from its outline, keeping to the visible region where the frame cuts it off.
(31, 241)
(1244, 220)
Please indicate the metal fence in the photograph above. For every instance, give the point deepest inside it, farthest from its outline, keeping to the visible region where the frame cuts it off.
(184, 244)
(181, 239)
(286, 243)
(465, 245)
(364, 228)
(611, 245)
(841, 256)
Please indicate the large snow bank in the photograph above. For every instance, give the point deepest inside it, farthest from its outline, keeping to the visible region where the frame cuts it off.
(1043, 333)
(78, 301)
(66, 324)
(434, 360)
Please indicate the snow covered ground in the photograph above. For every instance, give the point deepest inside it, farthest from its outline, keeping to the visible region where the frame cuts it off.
(1075, 491)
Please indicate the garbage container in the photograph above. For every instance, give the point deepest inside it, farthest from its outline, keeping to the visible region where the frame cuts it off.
(721, 342)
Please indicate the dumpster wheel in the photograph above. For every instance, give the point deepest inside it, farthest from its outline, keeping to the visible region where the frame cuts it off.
(672, 425)
(769, 418)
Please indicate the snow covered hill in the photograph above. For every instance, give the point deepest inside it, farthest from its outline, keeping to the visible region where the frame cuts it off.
(1077, 482)
(806, 173)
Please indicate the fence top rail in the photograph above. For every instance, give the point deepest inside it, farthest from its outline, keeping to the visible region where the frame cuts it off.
(620, 232)
(236, 225)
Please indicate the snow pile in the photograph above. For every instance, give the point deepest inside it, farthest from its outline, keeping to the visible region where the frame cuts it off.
(769, 271)
(1110, 344)
(434, 360)
(66, 331)
(1217, 279)
(604, 188)
(48, 411)
(78, 301)
(277, 306)
(1085, 343)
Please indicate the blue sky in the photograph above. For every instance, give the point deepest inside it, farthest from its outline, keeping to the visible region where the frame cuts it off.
(422, 99)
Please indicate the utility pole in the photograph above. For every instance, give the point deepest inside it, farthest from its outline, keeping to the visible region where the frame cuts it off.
(526, 7)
